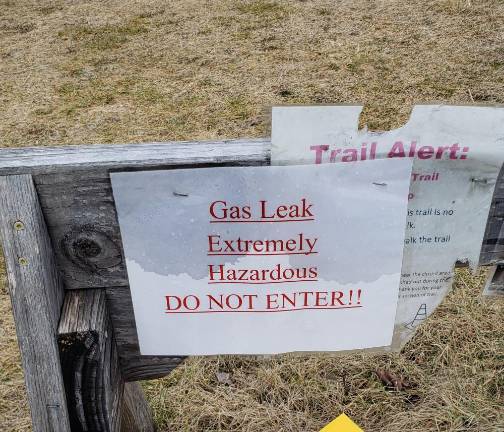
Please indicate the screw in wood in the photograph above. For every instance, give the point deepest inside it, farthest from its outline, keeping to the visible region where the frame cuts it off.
(19, 226)
(22, 261)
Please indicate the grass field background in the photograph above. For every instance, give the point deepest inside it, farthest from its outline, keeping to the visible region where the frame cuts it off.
(135, 71)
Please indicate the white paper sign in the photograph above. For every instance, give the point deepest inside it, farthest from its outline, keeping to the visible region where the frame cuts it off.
(457, 152)
(264, 260)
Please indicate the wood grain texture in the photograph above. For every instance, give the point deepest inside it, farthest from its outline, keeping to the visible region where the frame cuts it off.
(495, 282)
(136, 414)
(93, 382)
(134, 366)
(42, 160)
(36, 292)
(81, 216)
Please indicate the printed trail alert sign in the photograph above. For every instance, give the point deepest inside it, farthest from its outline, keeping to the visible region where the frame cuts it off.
(264, 260)
(457, 154)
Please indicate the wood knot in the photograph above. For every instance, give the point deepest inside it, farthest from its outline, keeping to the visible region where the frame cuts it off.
(87, 248)
(92, 250)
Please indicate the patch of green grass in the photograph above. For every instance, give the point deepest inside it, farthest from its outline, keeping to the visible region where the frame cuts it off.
(78, 96)
(43, 111)
(496, 64)
(439, 87)
(105, 37)
(263, 8)
(239, 108)
(324, 11)
(17, 27)
(357, 62)
(224, 21)
(334, 66)
(148, 94)
(48, 10)
(152, 13)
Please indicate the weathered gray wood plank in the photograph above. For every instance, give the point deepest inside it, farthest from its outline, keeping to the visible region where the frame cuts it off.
(492, 248)
(37, 293)
(81, 217)
(40, 160)
(93, 381)
(137, 415)
(134, 366)
(495, 282)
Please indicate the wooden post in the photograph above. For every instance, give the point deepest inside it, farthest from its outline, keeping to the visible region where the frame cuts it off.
(36, 293)
(95, 388)
(136, 414)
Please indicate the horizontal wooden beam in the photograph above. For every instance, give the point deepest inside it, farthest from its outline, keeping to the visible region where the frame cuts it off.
(44, 160)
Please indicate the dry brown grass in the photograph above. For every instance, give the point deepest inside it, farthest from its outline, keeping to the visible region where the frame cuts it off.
(455, 366)
(128, 71)
(14, 414)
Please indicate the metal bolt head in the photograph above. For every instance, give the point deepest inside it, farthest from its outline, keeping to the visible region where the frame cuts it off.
(18, 226)
(22, 261)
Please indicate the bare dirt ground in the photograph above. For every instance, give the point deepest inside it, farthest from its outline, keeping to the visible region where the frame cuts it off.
(133, 71)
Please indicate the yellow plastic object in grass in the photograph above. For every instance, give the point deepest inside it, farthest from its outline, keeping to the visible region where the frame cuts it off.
(342, 423)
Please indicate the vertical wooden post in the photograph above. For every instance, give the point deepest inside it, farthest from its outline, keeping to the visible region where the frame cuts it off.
(93, 381)
(98, 399)
(36, 293)
(136, 412)
(495, 282)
